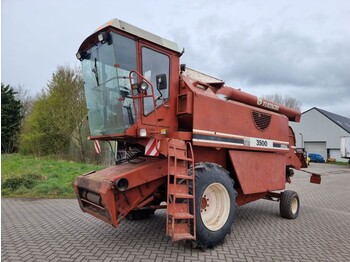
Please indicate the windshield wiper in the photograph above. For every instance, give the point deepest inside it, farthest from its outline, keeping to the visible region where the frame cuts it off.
(95, 72)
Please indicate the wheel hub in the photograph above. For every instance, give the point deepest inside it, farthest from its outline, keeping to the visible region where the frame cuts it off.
(215, 206)
(204, 203)
(294, 205)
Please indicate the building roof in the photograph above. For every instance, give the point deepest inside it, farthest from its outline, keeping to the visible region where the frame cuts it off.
(341, 121)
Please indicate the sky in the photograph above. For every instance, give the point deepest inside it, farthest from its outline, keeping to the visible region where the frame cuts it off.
(291, 47)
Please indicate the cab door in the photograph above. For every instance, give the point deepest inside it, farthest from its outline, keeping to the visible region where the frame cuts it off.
(155, 67)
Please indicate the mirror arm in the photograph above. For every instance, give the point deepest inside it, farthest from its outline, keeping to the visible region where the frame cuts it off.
(160, 92)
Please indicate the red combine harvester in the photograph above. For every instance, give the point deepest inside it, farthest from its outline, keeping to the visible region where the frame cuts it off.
(185, 141)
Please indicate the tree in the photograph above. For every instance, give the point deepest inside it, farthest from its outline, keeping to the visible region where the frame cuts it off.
(26, 99)
(10, 119)
(285, 100)
(56, 114)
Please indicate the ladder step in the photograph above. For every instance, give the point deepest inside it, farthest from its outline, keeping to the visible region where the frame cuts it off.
(180, 188)
(181, 195)
(178, 208)
(184, 158)
(180, 170)
(182, 176)
(182, 236)
(182, 216)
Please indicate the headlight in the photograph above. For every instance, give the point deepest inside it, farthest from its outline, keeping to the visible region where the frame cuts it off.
(143, 86)
(79, 56)
(142, 132)
(83, 55)
(102, 37)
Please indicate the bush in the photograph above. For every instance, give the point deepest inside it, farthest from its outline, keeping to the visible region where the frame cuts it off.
(27, 181)
(28, 176)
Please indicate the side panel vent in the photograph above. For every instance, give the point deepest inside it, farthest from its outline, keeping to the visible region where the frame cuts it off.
(261, 120)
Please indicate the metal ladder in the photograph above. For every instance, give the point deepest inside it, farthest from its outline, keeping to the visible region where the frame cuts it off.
(181, 215)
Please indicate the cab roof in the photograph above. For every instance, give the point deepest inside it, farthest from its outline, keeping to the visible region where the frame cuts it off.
(126, 27)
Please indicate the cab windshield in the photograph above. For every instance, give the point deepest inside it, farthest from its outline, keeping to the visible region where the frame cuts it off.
(106, 71)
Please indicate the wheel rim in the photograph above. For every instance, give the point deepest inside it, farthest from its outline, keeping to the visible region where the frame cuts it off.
(215, 206)
(294, 205)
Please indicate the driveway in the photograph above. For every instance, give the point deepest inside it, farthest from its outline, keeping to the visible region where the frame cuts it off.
(56, 230)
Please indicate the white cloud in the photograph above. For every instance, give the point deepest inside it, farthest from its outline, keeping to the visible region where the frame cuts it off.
(295, 47)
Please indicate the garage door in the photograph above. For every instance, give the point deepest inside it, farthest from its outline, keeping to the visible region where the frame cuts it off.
(316, 147)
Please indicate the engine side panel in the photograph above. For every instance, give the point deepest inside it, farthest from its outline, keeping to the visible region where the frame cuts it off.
(259, 171)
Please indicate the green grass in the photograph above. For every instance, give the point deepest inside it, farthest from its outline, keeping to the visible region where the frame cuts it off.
(339, 163)
(33, 177)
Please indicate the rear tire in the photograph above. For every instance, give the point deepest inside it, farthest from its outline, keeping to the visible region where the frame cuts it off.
(289, 204)
(215, 204)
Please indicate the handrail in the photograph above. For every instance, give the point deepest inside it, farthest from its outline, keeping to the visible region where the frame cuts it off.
(188, 144)
(142, 96)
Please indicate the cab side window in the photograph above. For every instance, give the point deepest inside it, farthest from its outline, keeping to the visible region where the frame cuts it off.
(155, 64)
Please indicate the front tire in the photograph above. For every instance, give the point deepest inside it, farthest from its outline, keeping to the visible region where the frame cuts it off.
(215, 204)
(289, 204)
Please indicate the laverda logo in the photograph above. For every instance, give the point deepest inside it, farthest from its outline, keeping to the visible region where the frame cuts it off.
(261, 102)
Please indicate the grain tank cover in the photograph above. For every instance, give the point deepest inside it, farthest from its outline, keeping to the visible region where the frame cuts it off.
(210, 80)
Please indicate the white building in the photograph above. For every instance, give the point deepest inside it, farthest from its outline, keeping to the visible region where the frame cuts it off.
(319, 131)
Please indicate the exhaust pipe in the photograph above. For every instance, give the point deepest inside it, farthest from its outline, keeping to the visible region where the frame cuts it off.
(122, 184)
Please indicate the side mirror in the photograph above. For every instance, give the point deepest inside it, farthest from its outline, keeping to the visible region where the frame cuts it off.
(161, 82)
(124, 92)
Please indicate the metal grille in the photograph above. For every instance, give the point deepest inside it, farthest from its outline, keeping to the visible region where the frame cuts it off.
(261, 120)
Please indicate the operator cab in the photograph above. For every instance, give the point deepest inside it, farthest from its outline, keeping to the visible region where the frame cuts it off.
(127, 76)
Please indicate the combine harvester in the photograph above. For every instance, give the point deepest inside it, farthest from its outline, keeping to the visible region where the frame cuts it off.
(184, 139)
